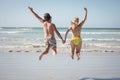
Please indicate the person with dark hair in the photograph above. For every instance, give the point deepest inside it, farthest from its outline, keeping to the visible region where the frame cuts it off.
(76, 40)
(49, 30)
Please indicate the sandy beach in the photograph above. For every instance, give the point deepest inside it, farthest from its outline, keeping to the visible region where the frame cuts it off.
(91, 66)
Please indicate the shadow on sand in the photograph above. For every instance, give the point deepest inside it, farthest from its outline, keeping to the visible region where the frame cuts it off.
(100, 79)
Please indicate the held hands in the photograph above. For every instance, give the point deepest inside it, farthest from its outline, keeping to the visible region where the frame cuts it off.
(63, 41)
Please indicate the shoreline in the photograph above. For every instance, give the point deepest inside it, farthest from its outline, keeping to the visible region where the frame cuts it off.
(37, 48)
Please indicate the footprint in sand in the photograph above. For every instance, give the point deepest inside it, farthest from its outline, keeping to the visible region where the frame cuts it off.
(10, 50)
(18, 51)
(26, 51)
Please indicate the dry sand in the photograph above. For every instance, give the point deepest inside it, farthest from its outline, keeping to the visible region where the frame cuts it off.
(91, 66)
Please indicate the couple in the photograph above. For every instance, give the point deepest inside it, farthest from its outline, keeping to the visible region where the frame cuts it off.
(50, 28)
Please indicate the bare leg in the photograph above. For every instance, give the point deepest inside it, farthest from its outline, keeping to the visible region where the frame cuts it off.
(72, 48)
(54, 51)
(44, 52)
(78, 49)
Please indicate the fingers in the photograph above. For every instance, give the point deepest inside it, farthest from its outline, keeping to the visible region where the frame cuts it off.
(85, 8)
(63, 41)
(30, 8)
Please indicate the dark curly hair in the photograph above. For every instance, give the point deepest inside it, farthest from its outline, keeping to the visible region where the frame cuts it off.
(47, 17)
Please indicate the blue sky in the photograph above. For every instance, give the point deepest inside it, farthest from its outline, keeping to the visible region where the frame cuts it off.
(101, 13)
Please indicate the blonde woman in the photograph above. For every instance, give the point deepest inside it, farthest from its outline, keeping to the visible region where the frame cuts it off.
(76, 40)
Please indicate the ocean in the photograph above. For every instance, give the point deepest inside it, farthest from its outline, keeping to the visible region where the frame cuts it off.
(102, 38)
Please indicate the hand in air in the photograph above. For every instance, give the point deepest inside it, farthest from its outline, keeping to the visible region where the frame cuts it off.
(30, 8)
(85, 8)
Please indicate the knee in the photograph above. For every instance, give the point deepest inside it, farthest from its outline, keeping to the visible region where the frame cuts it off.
(72, 52)
(77, 52)
(45, 52)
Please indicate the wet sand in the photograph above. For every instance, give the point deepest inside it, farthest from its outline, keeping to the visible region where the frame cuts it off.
(91, 66)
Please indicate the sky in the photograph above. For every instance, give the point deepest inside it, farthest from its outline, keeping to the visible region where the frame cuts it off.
(101, 13)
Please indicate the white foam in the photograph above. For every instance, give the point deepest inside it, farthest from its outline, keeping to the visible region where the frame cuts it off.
(98, 39)
(100, 32)
(11, 32)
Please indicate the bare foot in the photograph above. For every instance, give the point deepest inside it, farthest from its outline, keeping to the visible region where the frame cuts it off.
(40, 57)
(72, 57)
(78, 58)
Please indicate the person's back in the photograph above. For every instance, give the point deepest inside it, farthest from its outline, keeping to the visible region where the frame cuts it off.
(48, 29)
(76, 30)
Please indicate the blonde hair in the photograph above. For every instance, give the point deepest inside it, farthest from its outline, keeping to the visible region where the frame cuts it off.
(76, 20)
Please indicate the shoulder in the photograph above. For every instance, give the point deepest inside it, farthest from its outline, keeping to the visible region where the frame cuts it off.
(81, 23)
(52, 24)
(44, 22)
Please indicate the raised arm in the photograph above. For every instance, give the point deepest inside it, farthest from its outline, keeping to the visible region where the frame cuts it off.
(84, 17)
(36, 15)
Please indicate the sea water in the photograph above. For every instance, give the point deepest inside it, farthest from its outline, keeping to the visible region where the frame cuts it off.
(105, 37)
